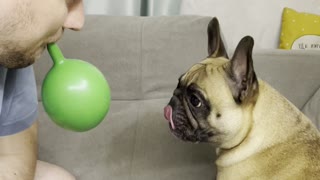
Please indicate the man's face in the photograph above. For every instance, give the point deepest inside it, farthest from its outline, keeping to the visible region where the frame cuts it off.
(27, 26)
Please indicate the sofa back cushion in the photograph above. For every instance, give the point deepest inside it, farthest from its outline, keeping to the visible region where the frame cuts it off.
(140, 57)
(143, 57)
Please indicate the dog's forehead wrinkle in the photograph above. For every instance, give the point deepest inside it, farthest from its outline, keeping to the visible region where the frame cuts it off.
(204, 68)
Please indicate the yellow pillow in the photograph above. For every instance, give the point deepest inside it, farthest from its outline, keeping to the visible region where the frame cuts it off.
(299, 30)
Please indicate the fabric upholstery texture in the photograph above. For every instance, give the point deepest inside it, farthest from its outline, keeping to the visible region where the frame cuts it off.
(312, 108)
(142, 58)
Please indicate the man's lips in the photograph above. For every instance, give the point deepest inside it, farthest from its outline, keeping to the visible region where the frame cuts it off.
(56, 37)
(168, 115)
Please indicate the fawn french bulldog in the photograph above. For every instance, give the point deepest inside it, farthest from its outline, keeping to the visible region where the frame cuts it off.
(258, 133)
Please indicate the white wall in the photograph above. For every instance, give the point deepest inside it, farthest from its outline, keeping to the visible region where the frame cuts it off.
(132, 7)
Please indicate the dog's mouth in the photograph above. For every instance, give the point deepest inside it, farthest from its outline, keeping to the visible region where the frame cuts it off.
(182, 128)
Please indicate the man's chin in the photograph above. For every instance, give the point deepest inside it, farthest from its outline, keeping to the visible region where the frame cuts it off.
(19, 66)
(16, 60)
(30, 59)
(39, 52)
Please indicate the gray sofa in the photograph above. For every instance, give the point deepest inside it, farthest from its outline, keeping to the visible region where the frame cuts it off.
(142, 58)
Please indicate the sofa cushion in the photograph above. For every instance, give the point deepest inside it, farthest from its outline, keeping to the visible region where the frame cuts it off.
(136, 54)
(312, 108)
(143, 57)
(299, 30)
(102, 42)
(132, 143)
(295, 73)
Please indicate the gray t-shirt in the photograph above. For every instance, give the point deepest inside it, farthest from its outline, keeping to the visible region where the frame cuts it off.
(18, 100)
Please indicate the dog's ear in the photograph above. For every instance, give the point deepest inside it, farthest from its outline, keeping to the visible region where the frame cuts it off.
(215, 45)
(244, 83)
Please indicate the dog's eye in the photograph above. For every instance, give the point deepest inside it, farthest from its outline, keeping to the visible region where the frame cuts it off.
(195, 101)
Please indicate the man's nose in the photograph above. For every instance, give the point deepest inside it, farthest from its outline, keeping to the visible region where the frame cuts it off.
(75, 17)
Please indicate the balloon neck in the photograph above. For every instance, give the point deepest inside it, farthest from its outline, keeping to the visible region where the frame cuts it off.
(55, 53)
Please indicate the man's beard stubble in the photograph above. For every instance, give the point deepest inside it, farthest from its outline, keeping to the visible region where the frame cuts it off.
(14, 59)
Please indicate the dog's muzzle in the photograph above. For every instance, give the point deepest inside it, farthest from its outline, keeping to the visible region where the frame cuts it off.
(180, 126)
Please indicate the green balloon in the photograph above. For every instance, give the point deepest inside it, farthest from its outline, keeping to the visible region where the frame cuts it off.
(75, 94)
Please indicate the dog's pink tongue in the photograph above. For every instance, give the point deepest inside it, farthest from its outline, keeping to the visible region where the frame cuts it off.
(168, 115)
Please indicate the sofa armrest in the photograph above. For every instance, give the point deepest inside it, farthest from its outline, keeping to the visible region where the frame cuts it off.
(312, 107)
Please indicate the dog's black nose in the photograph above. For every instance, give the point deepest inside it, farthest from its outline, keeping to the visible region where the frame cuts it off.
(177, 92)
(174, 101)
